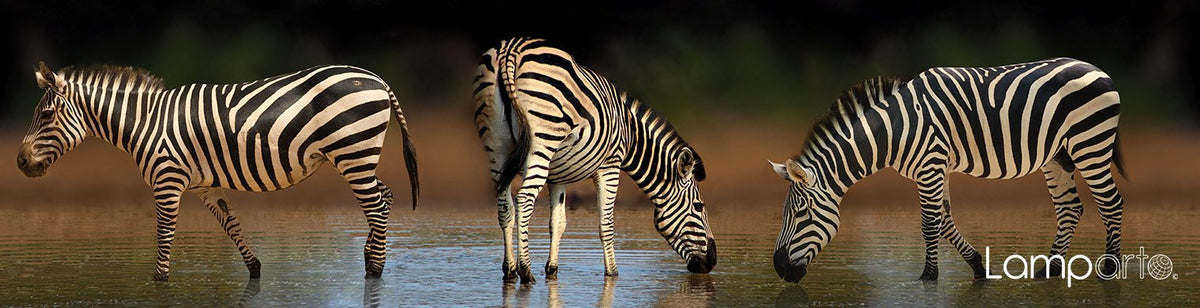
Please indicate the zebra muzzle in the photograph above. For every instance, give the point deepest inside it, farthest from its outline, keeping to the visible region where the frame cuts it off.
(30, 166)
(786, 270)
(704, 264)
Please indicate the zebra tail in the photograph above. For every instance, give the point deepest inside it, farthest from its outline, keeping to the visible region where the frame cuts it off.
(410, 149)
(1117, 160)
(506, 83)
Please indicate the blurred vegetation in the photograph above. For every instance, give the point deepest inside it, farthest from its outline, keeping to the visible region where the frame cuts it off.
(698, 62)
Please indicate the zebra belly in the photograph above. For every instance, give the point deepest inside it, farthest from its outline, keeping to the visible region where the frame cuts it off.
(577, 158)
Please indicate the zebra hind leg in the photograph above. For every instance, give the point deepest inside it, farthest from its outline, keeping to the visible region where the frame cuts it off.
(1104, 190)
(558, 224)
(372, 197)
(1068, 209)
(215, 199)
(504, 213)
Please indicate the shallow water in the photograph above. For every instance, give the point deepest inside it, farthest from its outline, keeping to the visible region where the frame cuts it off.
(312, 255)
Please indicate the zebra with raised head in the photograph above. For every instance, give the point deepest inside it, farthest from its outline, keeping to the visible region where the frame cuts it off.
(262, 135)
(541, 114)
(1056, 115)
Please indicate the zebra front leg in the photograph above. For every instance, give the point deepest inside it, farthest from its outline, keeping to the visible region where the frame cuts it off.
(930, 189)
(950, 233)
(217, 204)
(607, 179)
(166, 197)
(504, 213)
(1067, 209)
(558, 224)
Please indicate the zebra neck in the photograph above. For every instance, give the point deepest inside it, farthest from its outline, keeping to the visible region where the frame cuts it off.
(118, 116)
(844, 159)
(648, 157)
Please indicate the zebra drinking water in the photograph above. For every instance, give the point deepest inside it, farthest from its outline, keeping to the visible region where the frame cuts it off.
(1057, 115)
(262, 135)
(541, 114)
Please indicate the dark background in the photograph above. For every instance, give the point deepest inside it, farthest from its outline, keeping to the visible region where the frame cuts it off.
(741, 80)
(748, 56)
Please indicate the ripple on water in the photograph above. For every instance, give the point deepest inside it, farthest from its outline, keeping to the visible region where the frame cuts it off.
(313, 256)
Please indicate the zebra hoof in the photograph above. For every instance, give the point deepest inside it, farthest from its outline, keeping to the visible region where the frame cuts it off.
(510, 274)
(374, 271)
(612, 273)
(161, 276)
(976, 264)
(255, 268)
(526, 276)
(551, 271)
(929, 274)
(1109, 268)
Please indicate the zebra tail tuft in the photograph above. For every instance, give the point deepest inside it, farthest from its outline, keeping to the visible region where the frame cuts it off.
(1117, 160)
(506, 84)
(410, 150)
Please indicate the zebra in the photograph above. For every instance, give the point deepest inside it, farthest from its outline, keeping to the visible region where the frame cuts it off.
(1057, 115)
(540, 114)
(262, 135)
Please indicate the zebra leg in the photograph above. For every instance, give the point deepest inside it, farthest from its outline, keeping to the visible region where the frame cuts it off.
(1067, 207)
(950, 233)
(504, 213)
(1104, 190)
(536, 173)
(930, 188)
(215, 199)
(558, 224)
(607, 180)
(166, 198)
(372, 197)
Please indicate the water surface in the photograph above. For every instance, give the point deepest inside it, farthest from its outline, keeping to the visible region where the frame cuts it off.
(52, 254)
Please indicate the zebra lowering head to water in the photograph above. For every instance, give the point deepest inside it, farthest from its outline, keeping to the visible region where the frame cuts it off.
(262, 135)
(1003, 122)
(541, 114)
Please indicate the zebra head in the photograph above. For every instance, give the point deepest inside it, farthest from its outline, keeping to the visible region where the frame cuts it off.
(680, 215)
(810, 219)
(57, 125)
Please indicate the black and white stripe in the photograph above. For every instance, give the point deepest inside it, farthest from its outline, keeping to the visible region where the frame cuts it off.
(262, 135)
(1003, 122)
(541, 114)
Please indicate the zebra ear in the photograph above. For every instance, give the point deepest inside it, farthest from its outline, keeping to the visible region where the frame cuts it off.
(46, 78)
(780, 169)
(791, 171)
(689, 164)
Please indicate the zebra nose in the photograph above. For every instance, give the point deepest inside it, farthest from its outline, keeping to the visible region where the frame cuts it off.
(785, 269)
(21, 161)
(704, 264)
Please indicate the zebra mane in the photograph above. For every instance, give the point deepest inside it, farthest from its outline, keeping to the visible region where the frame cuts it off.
(138, 76)
(867, 92)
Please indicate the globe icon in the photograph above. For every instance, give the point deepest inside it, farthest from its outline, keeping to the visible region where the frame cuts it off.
(1159, 267)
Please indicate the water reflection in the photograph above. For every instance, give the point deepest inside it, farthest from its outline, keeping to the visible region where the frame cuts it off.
(516, 294)
(696, 291)
(792, 296)
(314, 259)
(249, 292)
(606, 293)
(371, 288)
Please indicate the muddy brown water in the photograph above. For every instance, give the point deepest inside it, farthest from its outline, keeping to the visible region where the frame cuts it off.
(102, 254)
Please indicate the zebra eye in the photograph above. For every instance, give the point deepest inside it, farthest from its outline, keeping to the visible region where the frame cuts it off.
(47, 113)
(699, 206)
